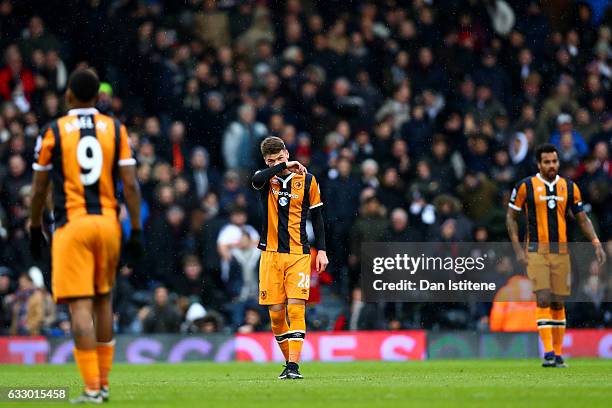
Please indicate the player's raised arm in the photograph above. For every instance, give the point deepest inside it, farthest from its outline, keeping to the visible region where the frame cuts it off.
(261, 177)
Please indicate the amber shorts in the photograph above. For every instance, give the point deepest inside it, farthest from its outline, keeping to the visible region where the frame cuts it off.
(85, 253)
(282, 277)
(550, 271)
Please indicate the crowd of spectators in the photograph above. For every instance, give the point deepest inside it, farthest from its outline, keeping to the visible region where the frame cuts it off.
(417, 117)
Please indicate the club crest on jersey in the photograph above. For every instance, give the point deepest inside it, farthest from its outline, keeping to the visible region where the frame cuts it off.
(283, 201)
(298, 184)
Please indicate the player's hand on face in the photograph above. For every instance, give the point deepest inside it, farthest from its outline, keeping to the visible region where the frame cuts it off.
(321, 261)
(600, 254)
(296, 167)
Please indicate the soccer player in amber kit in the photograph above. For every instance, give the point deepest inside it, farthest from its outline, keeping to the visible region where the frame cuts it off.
(288, 192)
(548, 201)
(85, 154)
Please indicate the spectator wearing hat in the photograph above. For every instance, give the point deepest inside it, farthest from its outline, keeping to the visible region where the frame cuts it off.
(28, 306)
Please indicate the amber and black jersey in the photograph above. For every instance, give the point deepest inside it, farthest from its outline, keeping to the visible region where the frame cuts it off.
(286, 202)
(547, 207)
(83, 150)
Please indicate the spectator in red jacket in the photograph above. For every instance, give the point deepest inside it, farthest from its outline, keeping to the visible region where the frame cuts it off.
(15, 78)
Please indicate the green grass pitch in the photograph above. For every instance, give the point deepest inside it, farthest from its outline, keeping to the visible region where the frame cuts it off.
(441, 383)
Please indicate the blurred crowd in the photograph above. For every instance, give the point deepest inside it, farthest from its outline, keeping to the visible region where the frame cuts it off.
(417, 117)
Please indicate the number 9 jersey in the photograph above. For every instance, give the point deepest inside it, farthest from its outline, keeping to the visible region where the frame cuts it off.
(84, 150)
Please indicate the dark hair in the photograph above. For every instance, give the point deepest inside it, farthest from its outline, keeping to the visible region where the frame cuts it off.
(84, 84)
(272, 145)
(545, 148)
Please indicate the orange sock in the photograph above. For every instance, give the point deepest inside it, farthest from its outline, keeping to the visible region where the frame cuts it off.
(105, 360)
(87, 361)
(558, 330)
(544, 319)
(297, 330)
(278, 321)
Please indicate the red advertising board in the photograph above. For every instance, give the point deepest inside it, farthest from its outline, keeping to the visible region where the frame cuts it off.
(23, 350)
(338, 346)
(588, 343)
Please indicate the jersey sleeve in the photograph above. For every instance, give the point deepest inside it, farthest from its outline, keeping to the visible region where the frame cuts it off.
(125, 152)
(517, 199)
(315, 194)
(253, 183)
(577, 205)
(44, 150)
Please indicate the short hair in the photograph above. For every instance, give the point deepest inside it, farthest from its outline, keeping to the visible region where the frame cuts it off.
(545, 148)
(272, 145)
(84, 84)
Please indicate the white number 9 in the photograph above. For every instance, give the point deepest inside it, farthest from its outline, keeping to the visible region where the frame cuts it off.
(89, 156)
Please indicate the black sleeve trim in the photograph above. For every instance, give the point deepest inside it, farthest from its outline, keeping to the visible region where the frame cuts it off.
(319, 227)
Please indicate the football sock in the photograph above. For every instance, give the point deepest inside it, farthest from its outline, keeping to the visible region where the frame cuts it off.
(558, 329)
(544, 319)
(280, 328)
(87, 361)
(297, 330)
(105, 360)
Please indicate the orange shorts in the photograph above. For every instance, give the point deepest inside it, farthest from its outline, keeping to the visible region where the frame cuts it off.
(550, 271)
(85, 252)
(282, 277)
